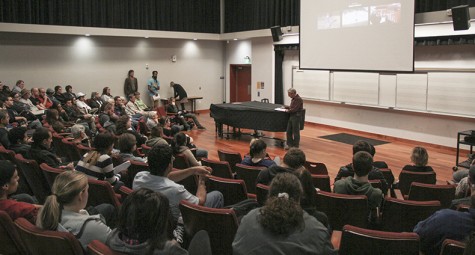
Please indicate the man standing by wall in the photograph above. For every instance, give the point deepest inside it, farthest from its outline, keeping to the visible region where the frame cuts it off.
(179, 93)
(130, 84)
(293, 125)
(153, 88)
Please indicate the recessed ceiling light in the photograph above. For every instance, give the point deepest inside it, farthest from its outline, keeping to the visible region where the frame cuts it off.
(87, 35)
(195, 39)
(146, 37)
(235, 39)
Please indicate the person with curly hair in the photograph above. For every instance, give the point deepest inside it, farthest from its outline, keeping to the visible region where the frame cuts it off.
(281, 226)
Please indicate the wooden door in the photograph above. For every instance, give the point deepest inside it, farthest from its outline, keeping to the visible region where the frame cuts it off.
(240, 83)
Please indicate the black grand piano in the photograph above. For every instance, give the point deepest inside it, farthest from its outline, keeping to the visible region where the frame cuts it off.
(251, 115)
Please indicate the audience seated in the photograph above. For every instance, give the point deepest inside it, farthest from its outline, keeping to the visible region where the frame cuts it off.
(160, 178)
(35, 93)
(445, 224)
(40, 150)
(179, 147)
(281, 226)
(9, 185)
(83, 106)
(140, 103)
(119, 106)
(258, 155)
(377, 164)
(419, 158)
(50, 95)
(134, 110)
(462, 173)
(358, 184)
(44, 99)
(106, 94)
(156, 137)
(20, 112)
(293, 160)
(374, 174)
(78, 132)
(58, 94)
(4, 120)
(169, 129)
(181, 115)
(143, 225)
(308, 201)
(124, 125)
(98, 163)
(18, 140)
(75, 115)
(108, 118)
(127, 145)
(25, 99)
(64, 210)
(96, 102)
(464, 189)
(69, 94)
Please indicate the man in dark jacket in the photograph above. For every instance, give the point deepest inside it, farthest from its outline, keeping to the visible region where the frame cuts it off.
(179, 94)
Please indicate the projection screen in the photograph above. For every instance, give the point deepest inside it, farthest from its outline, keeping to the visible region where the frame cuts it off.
(367, 35)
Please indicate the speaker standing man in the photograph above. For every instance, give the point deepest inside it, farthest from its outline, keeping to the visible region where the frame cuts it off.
(293, 125)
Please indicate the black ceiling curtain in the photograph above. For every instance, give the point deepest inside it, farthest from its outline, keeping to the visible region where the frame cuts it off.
(166, 15)
(243, 15)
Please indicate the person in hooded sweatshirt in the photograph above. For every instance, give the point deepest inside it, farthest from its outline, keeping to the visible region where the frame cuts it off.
(358, 184)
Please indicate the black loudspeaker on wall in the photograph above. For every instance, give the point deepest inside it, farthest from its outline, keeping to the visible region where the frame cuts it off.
(276, 33)
(461, 17)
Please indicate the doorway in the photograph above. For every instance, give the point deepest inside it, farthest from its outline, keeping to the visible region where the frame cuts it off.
(240, 83)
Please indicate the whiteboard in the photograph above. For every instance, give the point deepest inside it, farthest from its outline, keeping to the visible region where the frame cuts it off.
(356, 87)
(411, 92)
(311, 84)
(451, 93)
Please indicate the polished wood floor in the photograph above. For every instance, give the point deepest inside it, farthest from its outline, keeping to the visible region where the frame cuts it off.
(396, 153)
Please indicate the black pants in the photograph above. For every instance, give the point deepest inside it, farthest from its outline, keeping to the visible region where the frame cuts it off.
(293, 131)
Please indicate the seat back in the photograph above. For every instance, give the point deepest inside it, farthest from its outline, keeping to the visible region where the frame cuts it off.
(41, 242)
(220, 168)
(101, 192)
(161, 111)
(356, 241)
(231, 157)
(221, 225)
(10, 241)
(124, 192)
(427, 192)
(50, 173)
(34, 177)
(190, 183)
(408, 177)
(73, 153)
(233, 191)
(316, 167)
(261, 193)
(60, 148)
(97, 247)
(452, 247)
(249, 175)
(321, 182)
(388, 175)
(403, 215)
(180, 162)
(134, 168)
(337, 207)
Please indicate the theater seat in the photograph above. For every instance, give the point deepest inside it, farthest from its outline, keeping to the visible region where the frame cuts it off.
(360, 241)
(10, 241)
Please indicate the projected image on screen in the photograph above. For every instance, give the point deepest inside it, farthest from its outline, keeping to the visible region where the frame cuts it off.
(385, 14)
(329, 21)
(366, 35)
(355, 17)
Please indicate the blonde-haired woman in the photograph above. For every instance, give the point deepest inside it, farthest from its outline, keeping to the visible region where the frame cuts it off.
(64, 210)
(420, 159)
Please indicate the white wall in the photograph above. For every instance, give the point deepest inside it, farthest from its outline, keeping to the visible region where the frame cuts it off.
(91, 63)
(236, 51)
(262, 68)
(435, 129)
